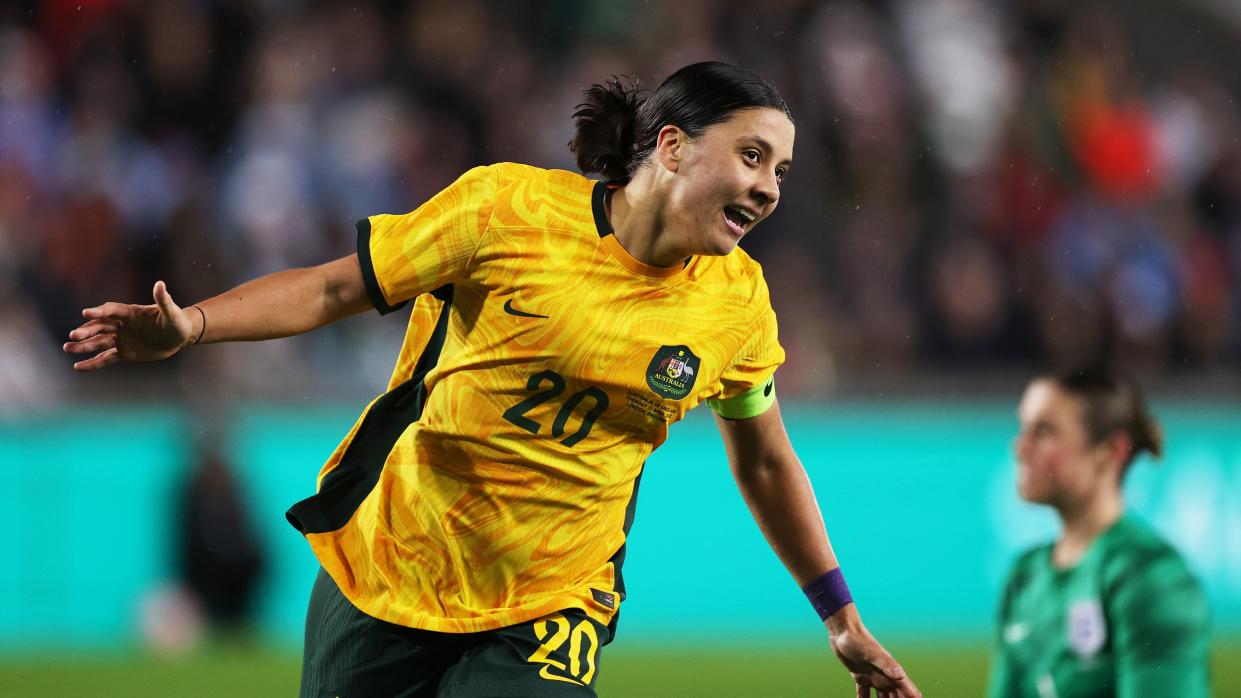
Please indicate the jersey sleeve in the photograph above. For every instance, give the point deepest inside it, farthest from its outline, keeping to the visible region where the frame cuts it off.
(403, 256)
(1162, 632)
(747, 386)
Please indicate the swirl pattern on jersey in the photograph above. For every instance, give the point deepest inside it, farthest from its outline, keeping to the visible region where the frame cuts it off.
(505, 496)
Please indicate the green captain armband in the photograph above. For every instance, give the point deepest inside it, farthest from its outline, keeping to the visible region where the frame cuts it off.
(751, 403)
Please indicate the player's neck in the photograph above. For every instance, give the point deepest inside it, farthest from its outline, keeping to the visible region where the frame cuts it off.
(636, 222)
(1083, 523)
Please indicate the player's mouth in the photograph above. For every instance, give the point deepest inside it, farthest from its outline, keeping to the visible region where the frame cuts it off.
(738, 219)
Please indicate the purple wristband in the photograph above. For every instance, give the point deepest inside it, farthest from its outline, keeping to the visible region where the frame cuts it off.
(828, 593)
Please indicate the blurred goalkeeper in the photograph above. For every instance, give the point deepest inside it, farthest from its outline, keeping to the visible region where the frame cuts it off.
(1109, 608)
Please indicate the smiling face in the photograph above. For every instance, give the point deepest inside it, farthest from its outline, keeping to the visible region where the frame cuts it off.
(1056, 463)
(727, 180)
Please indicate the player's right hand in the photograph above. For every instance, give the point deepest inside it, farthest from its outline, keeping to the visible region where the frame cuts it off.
(125, 332)
(869, 663)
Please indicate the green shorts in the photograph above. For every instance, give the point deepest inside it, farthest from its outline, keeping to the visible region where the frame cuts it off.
(350, 654)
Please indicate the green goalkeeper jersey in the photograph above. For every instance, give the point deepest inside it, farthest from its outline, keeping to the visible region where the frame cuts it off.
(1129, 620)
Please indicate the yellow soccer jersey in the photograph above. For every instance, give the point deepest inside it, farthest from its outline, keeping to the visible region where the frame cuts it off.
(494, 482)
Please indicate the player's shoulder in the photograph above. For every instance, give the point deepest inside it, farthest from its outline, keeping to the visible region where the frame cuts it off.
(1135, 553)
(526, 195)
(1147, 582)
(516, 174)
(1133, 541)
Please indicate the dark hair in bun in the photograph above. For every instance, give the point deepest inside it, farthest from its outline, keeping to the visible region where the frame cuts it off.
(617, 124)
(1113, 404)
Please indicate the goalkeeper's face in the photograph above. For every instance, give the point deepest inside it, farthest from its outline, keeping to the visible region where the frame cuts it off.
(1056, 462)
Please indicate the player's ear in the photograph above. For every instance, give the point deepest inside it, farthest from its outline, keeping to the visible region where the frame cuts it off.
(1113, 451)
(670, 147)
(1120, 445)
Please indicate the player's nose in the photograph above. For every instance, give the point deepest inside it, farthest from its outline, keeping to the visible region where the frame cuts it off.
(1021, 447)
(766, 189)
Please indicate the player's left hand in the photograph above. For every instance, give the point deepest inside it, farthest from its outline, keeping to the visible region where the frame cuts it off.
(116, 332)
(872, 667)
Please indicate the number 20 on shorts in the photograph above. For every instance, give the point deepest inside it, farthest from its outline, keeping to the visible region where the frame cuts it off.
(583, 641)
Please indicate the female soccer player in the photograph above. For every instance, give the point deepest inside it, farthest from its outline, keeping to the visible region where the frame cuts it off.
(471, 526)
(1108, 608)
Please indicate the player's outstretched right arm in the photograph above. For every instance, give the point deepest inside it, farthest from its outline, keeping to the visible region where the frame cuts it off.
(777, 490)
(277, 305)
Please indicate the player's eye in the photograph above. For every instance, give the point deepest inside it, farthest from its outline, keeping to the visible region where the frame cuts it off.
(752, 155)
(780, 172)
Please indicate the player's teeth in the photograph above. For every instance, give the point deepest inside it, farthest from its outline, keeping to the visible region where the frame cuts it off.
(744, 214)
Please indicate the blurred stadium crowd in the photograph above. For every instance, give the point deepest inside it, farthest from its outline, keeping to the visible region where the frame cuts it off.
(977, 185)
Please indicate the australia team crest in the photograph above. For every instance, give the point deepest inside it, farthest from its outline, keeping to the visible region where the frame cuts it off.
(672, 372)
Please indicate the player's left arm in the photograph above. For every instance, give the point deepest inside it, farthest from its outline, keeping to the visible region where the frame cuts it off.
(1161, 626)
(777, 490)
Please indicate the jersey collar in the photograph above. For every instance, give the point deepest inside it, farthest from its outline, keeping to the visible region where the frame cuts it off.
(607, 237)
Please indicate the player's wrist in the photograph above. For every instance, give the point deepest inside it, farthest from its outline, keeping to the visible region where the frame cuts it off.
(830, 597)
(846, 619)
(198, 326)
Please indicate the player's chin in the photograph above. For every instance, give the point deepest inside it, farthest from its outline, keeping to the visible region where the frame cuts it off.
(1028, 491)
(715, 247)
(722, 243)
(724, 247)
(1024, 490)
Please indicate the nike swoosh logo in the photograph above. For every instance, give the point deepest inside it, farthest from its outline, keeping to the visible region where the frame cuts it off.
(508, 308)
(1016, 632)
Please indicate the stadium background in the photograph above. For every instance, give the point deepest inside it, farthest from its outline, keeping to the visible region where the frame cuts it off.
(980, 189)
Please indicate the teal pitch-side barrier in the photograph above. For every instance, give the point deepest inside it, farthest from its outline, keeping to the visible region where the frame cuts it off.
(919, 500)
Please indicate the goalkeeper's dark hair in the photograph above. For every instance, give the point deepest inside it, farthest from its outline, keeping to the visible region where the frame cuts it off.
(617, 124)
(1112, 403)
